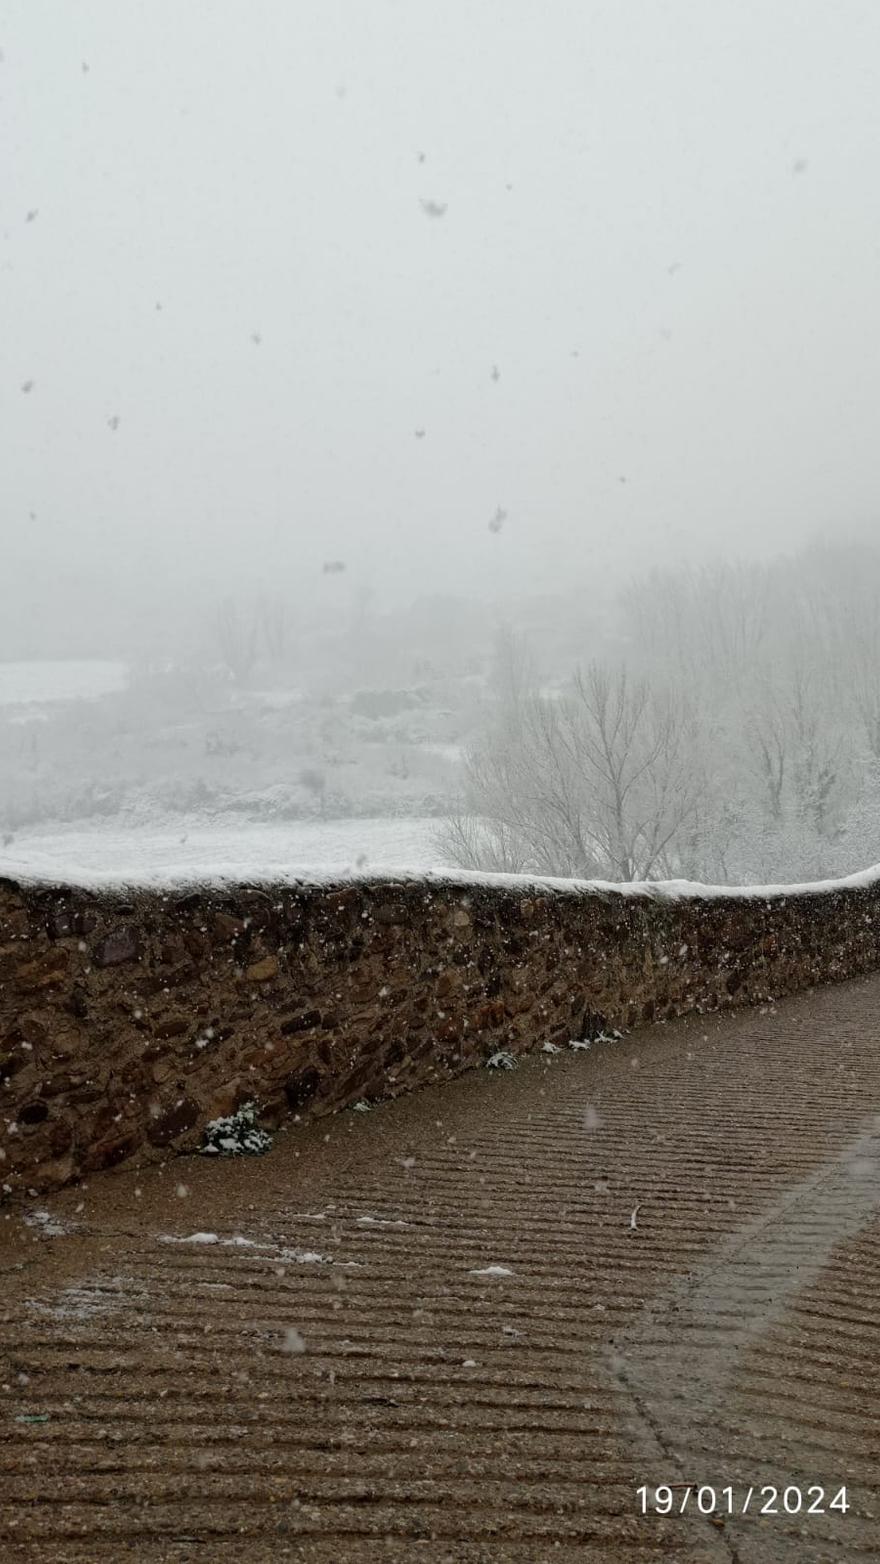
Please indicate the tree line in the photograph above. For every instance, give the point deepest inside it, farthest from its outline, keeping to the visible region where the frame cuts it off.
(729, 732)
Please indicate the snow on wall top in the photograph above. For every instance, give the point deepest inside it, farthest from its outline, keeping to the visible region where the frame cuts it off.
(28, 873)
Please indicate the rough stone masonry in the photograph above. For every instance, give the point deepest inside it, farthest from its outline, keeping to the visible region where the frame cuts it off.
(129, 1019)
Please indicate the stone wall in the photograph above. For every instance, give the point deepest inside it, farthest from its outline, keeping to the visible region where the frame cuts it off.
(130, 1019)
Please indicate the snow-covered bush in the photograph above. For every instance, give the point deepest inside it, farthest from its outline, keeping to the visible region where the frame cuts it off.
(236, 1135)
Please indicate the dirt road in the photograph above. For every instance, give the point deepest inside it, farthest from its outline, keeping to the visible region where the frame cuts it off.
(470, 1325)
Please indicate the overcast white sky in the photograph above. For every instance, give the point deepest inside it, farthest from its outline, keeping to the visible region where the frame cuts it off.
(662, 225)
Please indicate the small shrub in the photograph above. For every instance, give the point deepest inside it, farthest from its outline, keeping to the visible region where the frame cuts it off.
(502, 1060)
(237, 1135)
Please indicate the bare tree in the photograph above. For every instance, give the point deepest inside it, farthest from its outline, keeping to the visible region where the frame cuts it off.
(275, 623)
(704, 624)
(767, 745)
(799, 757)
(604, 780)
(636, 749)
(512, 675)
(237, 640)
(315, 782)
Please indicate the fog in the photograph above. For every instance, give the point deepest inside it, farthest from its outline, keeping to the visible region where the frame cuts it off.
(489, 308)
(659, 223)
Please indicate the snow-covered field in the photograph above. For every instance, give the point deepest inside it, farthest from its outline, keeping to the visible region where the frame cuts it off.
(45, 681)
(250, 850)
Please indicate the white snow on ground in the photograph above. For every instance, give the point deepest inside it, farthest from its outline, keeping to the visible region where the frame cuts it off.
(89, 1298)
(213, 1238)
(317, 852)
(492, 1270)
(44, 681)
(267, 1249)
(50, 1226)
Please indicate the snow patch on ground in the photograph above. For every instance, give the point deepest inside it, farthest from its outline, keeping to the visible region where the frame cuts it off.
(87, 1300)
(265, 1249)
(50, 1226)
(213, 1238)
(45, 681)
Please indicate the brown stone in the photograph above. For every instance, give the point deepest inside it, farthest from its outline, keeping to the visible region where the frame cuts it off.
(118, 947)
(303, 1022)
(341, 901)
(173, 1121)
(263, 971)
(33, 1030)
(60, 1137)
(56, 1084)
(61, 923)
(197, 944)
(12, 1062)
(78, 1003)
(172, 1026)
(490, 1016)
(110, 1113)
(33, 1112)
(109, 1153)
(45, 972)
(52, 1174)
(300, 1088)
(225, 1100)
(449, 981)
